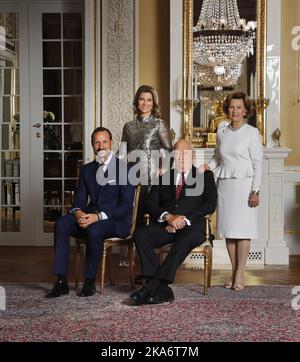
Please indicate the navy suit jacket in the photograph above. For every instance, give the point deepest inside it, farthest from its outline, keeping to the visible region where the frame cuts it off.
(115, 198)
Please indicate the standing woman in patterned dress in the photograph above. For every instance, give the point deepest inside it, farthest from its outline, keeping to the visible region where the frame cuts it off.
(146, 133)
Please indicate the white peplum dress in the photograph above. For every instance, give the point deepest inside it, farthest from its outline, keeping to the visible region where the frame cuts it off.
(237, 165)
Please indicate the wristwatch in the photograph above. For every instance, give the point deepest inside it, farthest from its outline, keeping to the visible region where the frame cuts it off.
(73, 211)
(165, 216)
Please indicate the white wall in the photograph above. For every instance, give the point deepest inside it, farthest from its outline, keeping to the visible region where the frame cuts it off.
(292, 209)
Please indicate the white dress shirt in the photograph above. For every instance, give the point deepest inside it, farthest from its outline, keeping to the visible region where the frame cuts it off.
(178, 179)
(104, 166)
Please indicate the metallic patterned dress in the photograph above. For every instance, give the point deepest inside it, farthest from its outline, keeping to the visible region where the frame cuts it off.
(146, 134)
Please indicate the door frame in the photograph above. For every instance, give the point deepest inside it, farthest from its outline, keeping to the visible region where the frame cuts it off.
(39, 237)
(23, 237)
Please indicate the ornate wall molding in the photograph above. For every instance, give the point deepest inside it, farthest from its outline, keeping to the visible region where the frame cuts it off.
(118, 68)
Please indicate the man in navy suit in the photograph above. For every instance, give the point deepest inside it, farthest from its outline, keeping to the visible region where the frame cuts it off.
(102, 208)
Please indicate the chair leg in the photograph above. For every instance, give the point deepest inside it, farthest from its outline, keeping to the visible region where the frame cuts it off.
(103, 268)
(110, 273)
(206, 266)
(209, 266)
(77, 265)
(131, 254)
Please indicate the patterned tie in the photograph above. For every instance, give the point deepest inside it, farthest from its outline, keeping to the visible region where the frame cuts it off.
(180, 185)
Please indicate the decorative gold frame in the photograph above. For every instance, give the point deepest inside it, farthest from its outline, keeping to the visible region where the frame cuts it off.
(187, 102)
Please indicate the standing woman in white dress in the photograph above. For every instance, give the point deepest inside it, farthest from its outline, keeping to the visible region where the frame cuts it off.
(237, 165)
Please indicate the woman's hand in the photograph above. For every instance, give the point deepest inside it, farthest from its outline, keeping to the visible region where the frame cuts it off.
(253, 200)
(203, 168)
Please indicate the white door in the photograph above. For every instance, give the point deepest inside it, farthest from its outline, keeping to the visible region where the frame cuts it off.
(42, 116)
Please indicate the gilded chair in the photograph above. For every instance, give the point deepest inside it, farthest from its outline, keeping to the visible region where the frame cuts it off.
(108, 244)
(204, 249)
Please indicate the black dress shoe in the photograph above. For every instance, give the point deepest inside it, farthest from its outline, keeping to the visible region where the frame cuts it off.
(140, 280)
(60, 288)
(164, 294)
(88, 289)
(140, 296)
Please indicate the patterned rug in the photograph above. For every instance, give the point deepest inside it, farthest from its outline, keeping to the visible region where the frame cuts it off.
(258, 313)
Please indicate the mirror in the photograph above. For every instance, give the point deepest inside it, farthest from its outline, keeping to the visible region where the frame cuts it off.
(206, 88)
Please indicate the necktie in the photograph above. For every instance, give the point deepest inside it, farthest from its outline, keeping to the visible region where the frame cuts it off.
(101, 166)
(100, 174)
(180, 185)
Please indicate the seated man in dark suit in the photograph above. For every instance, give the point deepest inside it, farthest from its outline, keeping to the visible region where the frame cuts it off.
(177, 206)
(102, 208)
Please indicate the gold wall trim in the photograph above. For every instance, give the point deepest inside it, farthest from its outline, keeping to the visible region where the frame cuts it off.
(187, 109)
(95, 63)
(261, 63)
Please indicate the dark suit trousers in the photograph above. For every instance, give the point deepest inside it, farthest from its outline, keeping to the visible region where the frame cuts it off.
(65, 227)
(147, 238)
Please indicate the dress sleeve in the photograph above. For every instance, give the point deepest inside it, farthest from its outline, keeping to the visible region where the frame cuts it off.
(256, 156)
(165, 136)
(215, 160)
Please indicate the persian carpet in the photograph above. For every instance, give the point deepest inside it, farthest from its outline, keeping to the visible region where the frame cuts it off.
(258, 313)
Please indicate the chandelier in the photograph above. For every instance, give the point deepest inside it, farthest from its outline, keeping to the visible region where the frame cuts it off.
(221, 42)
(209, 98)
(225, 76)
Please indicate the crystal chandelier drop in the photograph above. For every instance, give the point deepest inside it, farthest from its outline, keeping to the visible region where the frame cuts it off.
(227, 76)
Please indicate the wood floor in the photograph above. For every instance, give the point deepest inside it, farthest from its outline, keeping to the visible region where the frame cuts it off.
(35, 265)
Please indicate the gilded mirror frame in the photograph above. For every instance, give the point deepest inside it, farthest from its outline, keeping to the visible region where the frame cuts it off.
(187, 102)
